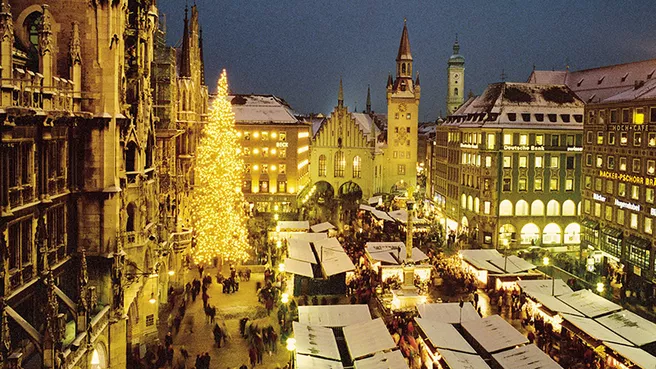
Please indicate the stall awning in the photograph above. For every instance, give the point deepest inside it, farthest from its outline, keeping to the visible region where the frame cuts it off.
(444, 336)
(638, 242)
(595, 330)
(382, 360)
(544, 286)
(448, 312)
(310, 237)
(300, 250)
(298, 267)
(374, 199)
(611, 231)
(366, 207)
(525, 357)
(417, 255)
(311, 362)
(589, 303)
(553, 304)
(636, 355)
(493, 333)
(511, 264)
(333, 315)
(328, 243)
(381, 215)
(373, 247)
(315, 341)
(631, 326)
(589, 223)
(321, 227)
(384, 256)
(366, 338)
(459, 360)
(293, 226)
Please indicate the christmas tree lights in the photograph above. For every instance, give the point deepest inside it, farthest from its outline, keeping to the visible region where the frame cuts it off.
(219, 216)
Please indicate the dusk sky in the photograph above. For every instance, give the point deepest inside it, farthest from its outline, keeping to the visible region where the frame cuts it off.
(298, 49)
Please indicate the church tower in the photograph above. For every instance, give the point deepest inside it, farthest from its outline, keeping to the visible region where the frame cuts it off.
(455, 80)
(402, 121)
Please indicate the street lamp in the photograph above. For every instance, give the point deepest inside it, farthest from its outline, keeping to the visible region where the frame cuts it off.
(284, 298)
(171, 272)
(152, 299)
(545, 261)
(281, 268)
(600, 287)
(291, 347)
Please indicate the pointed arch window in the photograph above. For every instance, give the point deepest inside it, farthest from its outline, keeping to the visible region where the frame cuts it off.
(357, 167)
(340, 164)
(32, 25)
(403, 68)
(455, 91)
(322, 166)
(131, 213)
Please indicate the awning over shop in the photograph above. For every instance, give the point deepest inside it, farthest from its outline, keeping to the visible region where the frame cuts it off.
(594, 330)
(631, 326)
(381, 215)
(553, 304)
(611, 231)
(300, 250)
(638, 242)
(511, 264)
(459, 360)
(444, 336)
(293, 226)
(321, 227)
(298, 267)
(544, 286)
(311, 362)
(315, 341)
(636, 355)
(333, 315)
(589, 223)
(448, 312)
(373, 247)
(493, 333)
(382, 360)
(417, 255)
(525, 357)
(589, 303)
(310, 237)
(367, 338)
(479, 259)
(366, 207)
(374, 199)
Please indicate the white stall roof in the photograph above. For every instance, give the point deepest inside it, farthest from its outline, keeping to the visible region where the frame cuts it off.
(382, 360)
(333, 315)
(310, 237)
(298, 267)
(417, 255)
(594, 329)
(301, 250)
(298, 225)
(335, 262)
(479, 259)
(513, 264)
(381, 215)
(459, 360)
(553, 304)
(589, 303)
(384, 256)
(322, 227)
(367, 338)
(444, 336)
(525, 357)
(316, 341)
(328, 243)
(366, 207)
(543, 286)
(402, 216)
(631, 326)
(493, 333)
(637, 356)
(311, 362)
(373, 247)
(374, 199)
(448, 312)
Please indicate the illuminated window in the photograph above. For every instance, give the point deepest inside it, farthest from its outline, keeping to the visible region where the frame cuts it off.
(470, 203)
(551, 234)
(569, 185)
(477, 205)
(597, 210)
(282, 136)
(357, 170)
(521, 183)
(491, 141)
(639, 116)
(553, 208)
(523, 139)
(247, 151)
(488, 161)
(634, 221)
(620, 216)
(521, 208)
(265, 152)
(282, 168)
(322, 166)
(486, 207)
(265, 168)
(597, 184)
(623, 164)
(408, 116)
(649, 195)
(282, 186)
(600, 161)
(537, 208)
(537, 184)
(507, 139)
(648, 226)
(553, 184)
(609, 186)
(588, 182)
(611, 138)
(507, 161)
(624, 138)
(539, 140)
(265, 136)
(652, 139)
(340, 164)
(505, 208)
(608, 210)
(600, 138)
(610, 161)
(636, 165)
(282, 153)
(523, 161)
(554, 161)
(400, 170)
(637, 138)
(264, 186)
(621, 189)
(538, 162)
(602, 116)
(635, 192)
(247, 168)
(587, 206)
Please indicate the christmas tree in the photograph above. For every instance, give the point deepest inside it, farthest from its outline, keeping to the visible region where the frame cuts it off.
(219, 217)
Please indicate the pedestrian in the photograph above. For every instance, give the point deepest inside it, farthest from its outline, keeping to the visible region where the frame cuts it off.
(475, 299)
(252, 355)
(218, 335)
(168, 340)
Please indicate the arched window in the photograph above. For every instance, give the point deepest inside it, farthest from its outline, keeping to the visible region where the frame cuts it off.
(573, 233)
(553, 208)
(340, 164)
(403, 68)
(455, 91)
(409, 69)
(569, 208)
(463, 201)
(537, 208)
(578, 209)
(149, 152)
(551, 234)
(32, 25)
(530, 234)
(470, 203)
(521, 208)
(322, 165)
(506, 208)
(357, 167)
(131, 158)
(506, 233)
(131, 212)
(477, 204)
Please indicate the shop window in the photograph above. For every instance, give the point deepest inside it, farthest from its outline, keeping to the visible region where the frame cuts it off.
(530, 234)
(573, 234)
(551, 234)
(537, 184)
(537, 208)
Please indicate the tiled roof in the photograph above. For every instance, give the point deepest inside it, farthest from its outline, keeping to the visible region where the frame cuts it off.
(267, 109)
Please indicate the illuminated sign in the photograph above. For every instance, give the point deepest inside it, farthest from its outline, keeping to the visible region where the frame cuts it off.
(598, 197)
(627, 205)
(282, 144)
(628, 178)
(576, 148)
(468, 146)
(523, 148)
(628, 127)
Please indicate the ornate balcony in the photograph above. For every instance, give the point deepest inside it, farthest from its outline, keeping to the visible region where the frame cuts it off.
(181, 240)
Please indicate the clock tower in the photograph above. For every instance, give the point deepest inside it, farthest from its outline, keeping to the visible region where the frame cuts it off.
(402, 121)
(455, 80)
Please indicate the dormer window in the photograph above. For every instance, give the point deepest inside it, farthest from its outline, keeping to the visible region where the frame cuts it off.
(651, 73)
(539, 117)
(512, 117)
(526, 117)
(624, 77)
(600, 80)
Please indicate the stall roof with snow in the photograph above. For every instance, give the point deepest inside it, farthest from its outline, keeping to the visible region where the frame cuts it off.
(594, 329)
(293, 225)
(310, 237)
(460, 360)
(448, 312)
(589, 303)
(553, 304)
(321, 227)
(367, 338)
(444, 336)
(511, 264)
(298, 267)
(544, 286)
(525, 357)
(335, 262)
(333, 315)
(300, 250)
(493, 333)
(366, 207)
(479, 259)
(636, 355)
(631, 326)
(315, 341)
(382, 360)
(382, 215)
(311, 362)
(375, 199)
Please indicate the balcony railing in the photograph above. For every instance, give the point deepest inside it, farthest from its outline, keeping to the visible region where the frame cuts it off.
(21, 195)
(29, 90)
(180, 240)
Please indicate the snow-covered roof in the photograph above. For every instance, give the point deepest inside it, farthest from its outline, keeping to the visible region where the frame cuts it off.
(553, 304)
(311, 362)
(555, 77)
(589, 303)
(459, 360)
(493, 333)
(594, 329)
(638, 356)
(315, 341)
(300, 250)
(335, 262)
(384, 256)
(417, 255)
(444, 335)
(310, 237)
(375, 247)
(333, 315)
(448, 312)
(544, 286)
(512, 264)
(322, 227)
(367, 338)
(645, 91)
(298, 267)
(374, 199)
(525, 357)
(479, 259)
(365, 122)
(382, 360)
(631, 326)
(267, 109)
(328, 243)
(288, 225)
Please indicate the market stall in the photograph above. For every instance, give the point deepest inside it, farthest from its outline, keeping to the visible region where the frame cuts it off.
(322, 227)
(316, 341)
(300, 250)
(441, 335)
(544, 287)
(631, 326)
(448, 312)
(367, 338)
(525, 357)
(549, 308)
(589, 303)
(311, 362)
(460, 360)
(333, 315)
(493, 333)
(382, 360)
(619, 354)
(591, 331)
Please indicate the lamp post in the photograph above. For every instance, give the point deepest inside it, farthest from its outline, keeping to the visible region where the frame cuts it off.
(600, 287)
(291, 347)
(545, 261)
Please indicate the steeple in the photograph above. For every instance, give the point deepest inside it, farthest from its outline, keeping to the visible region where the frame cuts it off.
(340, 94)
(185, 60)
(202, 59)
(417, 80)
(404, 56)
(456, 46)
(389, 80)
(368, 106)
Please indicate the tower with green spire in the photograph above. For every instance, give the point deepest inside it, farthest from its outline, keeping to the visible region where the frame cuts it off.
(455, 80)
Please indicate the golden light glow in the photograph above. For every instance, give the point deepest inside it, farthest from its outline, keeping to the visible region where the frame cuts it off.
(239, 134)
(171, 272)
(303, 149)
(95, 358)
(256, 134)
(256, 167)
(281, 268)
(256, 151)
(639, 118)
(273, 151)
(291, 344)
(274, 135)
(284, 298)
(273, 167)
(303, 163)
(303, 134)
(219, 216)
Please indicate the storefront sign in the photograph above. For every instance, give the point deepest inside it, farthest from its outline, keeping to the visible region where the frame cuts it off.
(628, 127)
(574, 149)
(627, 205)
(598, 197)
(282, 144)
(523, 148)
(468, 146)
(628, 178)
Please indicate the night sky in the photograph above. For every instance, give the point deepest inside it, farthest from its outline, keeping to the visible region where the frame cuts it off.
(298, 49)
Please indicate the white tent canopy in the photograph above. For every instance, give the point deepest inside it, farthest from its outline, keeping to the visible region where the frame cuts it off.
(402, 216)
(448, 312)
(589, 303)
(299, 267)
(367, 338)
(493, 333)
(335, 262)
(594, 329)
(374, 247)
(333, 315)
(525, 357)
(366, 207)
(311, 362)
(374, 199)
(381, 215)
(511, 264)
(479, 259)
(459, 360)
(293, 226)
(322, 227)
(544, 286)
(310, 237)
(637, 356)
(553, 304)
(328, 243)
(417, 255)
(316, 341)
(382, 360)
(300, 250)
(384, 256)
(631, 326)
(444, 336)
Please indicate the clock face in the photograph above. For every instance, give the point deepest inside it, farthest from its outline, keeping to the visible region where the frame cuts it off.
(456, 76)
(402, 107)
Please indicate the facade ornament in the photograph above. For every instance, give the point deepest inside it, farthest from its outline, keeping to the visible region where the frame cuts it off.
(54, 330)
(6, 22)
(45, 31)
(41, 245)
(75, 48)
(4, 257)
(5, 339)
(83, 281)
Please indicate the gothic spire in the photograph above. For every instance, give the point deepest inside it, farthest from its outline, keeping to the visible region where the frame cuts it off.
(456, 46)
(340, 94)
(404, 46)
(202, 59)
(368, 106)
(185, 61)
(417, 80)
(389, 80)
